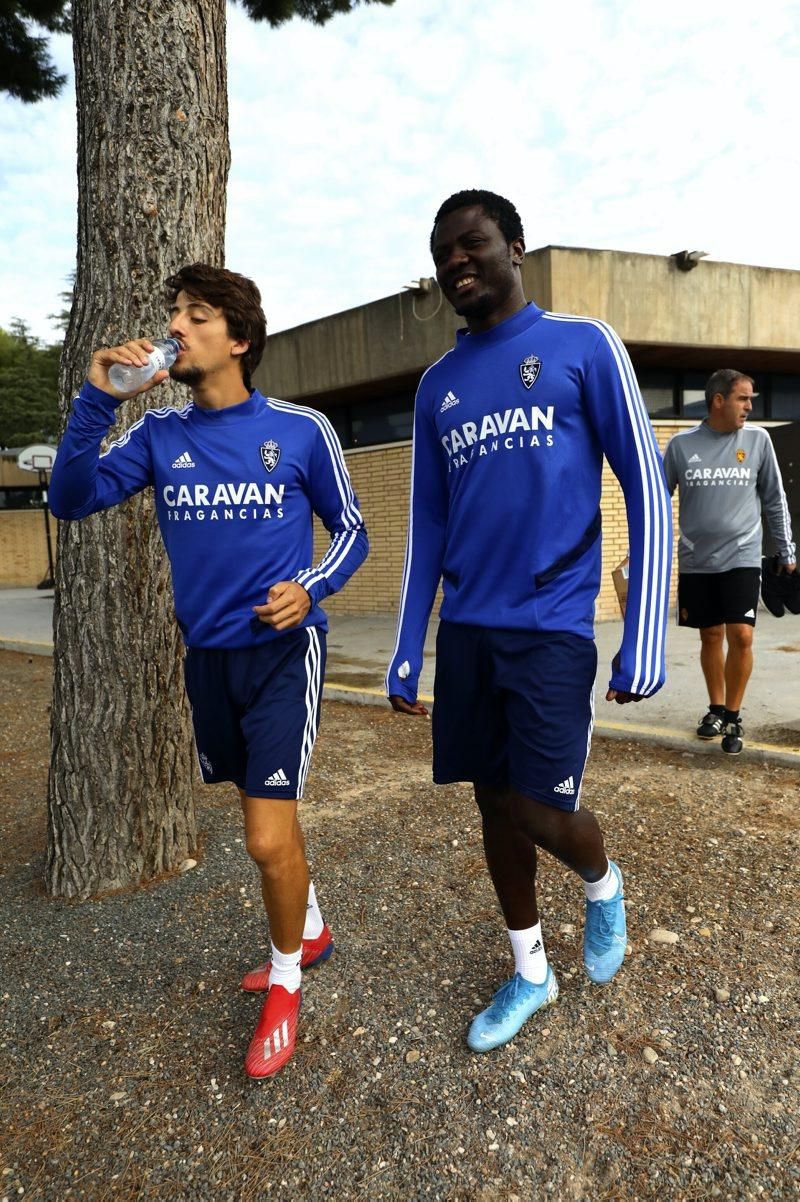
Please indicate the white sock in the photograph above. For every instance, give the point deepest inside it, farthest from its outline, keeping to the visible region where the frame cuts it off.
(285, 969)
(604, 889)
(314, 923)
(529, 958)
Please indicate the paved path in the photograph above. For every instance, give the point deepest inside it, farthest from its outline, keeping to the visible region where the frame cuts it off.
(360, 647)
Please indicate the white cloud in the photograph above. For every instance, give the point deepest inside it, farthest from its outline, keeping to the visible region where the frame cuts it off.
(609, 124)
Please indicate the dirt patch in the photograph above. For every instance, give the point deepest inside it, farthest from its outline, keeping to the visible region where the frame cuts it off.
(123, 1031)
(779, 736)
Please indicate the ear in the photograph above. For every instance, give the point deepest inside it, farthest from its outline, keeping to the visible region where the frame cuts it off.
(240, 347)
(517, 251)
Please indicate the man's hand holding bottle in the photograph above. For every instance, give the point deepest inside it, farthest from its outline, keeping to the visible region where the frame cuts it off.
(134, 367)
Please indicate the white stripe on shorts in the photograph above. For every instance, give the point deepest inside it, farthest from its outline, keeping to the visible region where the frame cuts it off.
(313, 663)
(588, 746)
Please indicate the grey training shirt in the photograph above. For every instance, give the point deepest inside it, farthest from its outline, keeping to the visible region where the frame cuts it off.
(723, 481)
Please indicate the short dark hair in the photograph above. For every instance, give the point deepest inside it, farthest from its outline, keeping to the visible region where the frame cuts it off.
(237, 297)
(496, 207)
(723, 382)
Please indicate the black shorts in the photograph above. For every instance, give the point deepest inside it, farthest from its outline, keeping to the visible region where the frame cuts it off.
(255, 711)
(514, 707)
(717, 598)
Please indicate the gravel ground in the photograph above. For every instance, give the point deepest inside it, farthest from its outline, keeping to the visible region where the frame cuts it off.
(122, 1029)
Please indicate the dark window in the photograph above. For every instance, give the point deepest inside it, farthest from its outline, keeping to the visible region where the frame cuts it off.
(21, 498)
(785, 398)
(758, 411)
(658, 389)
(340, 420)
(389, 420)
(693, 395)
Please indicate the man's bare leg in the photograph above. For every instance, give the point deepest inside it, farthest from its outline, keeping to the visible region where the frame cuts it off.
(738, 663)
(513, 827)
(275, 842)
(712, 661)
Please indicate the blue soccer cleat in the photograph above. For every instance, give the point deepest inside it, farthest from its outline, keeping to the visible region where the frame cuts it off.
(605, 935)
(512, 1005)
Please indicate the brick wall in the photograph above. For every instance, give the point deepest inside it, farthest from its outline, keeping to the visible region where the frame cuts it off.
(380, 477)
(615, 528)
(23, 548)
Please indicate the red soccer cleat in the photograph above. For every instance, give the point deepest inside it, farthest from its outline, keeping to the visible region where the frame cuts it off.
(274, 1039)
(314, 951)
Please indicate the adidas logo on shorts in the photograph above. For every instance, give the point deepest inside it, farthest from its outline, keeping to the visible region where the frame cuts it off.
(566, 786)
(277, 780)
(184, 460)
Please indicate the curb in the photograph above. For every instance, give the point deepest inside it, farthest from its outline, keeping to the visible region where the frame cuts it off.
(24, 645)
(679, 740)
(676, 740)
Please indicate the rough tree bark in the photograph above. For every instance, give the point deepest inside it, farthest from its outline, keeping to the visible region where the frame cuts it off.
(153, 161)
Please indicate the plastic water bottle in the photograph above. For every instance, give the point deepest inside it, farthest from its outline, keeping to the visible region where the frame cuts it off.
(127, 378)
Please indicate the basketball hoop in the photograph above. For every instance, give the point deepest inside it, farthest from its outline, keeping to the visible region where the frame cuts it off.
(37, 458)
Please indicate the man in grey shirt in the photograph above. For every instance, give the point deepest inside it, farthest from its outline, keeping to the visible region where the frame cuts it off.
(726, 472)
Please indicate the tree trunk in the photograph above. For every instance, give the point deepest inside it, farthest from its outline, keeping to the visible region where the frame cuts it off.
(153, 161)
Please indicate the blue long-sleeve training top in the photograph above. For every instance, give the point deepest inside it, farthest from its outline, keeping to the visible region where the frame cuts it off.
(510, 428)
(235, 490)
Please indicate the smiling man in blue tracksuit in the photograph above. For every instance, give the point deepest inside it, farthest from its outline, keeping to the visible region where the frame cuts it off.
(510, 429)
(237, 478)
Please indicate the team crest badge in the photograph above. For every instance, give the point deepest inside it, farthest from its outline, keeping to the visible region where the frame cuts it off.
(529, 370)
(270, 454)
(741, 456)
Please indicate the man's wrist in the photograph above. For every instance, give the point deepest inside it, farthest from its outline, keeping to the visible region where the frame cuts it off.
(307, 589)
(93, 392)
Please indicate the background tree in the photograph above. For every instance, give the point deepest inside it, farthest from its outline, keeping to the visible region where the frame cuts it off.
(28, 388)
(67, 298)
(153, 159)
(26, 70)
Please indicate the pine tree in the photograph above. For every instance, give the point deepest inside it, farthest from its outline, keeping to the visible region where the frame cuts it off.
(26, 70)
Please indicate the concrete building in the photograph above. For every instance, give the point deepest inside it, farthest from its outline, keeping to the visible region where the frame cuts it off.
(680, 320)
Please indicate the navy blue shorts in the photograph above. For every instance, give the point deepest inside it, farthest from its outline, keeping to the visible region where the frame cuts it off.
(256, 711)
(514, 707)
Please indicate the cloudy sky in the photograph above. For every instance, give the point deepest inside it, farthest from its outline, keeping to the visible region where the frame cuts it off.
(610, 123)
